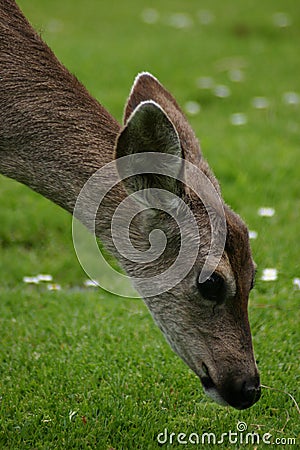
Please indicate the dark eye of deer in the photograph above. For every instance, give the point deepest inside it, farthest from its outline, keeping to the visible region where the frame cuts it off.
(213, 288)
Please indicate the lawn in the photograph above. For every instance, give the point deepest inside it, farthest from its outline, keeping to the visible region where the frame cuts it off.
(83, 369)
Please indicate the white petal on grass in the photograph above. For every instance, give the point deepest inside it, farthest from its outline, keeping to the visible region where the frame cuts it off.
(252, 234)
(192, 108)
(150, 16)
(269, 275)
(238, 119)
(231, 63)
(260, 103)
(205, 82)
(44, 277)
(206, 17)
(296, 283)
(222, 91)
(180, 20)
(266, 212)
(54, 287)
(236, 75)
(54, 26)
(291, 98)
(281, 20)
(31, 280)
(36, 355)
(91, 283)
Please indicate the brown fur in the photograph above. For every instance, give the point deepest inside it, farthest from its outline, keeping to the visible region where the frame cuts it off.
(54, 136)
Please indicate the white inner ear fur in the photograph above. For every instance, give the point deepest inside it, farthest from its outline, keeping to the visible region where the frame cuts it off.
(151, 102)
(160, 135)
(135, 115)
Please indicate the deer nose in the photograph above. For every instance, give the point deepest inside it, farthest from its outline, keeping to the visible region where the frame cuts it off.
(250, 393)
(241, 394)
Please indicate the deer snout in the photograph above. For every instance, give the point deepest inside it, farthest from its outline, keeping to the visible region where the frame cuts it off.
(239, 392)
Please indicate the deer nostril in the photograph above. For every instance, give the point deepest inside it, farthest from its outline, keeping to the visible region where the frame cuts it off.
(241, 393)
(250, 393)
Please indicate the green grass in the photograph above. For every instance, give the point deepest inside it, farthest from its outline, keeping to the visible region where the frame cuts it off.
(82, 369)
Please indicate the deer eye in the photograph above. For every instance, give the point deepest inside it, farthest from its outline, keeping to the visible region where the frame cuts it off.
(213, 288)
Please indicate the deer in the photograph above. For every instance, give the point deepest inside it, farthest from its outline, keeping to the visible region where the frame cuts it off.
(54, 136)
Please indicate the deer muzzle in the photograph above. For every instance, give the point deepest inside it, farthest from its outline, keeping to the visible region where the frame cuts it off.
(240, 392)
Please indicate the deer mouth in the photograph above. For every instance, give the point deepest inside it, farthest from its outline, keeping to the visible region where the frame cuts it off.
(210, 388)
(206, 379)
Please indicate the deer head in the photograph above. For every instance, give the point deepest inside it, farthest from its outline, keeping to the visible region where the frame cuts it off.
(204, 319)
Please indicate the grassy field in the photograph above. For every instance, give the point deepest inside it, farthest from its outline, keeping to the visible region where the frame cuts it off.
(82, 369)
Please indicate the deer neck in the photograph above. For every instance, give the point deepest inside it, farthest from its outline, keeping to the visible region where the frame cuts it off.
(53, 134)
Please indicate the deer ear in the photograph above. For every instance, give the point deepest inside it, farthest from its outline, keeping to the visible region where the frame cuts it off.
(147, 88)
(150, 135)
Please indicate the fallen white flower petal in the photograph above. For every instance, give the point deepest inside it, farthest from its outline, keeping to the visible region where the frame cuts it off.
(291, 98)
(180, 20)
(192, 108)
(91, 283)
(150, 16)
(269, 275)
(236, 75)
(205, 82)
(266, 212)
(238, 119)
(252, 234)
(54, 26)
(281, 20)
(44, 277)
(31, 280)
(36, 355)
(206, 17)
(296, 283)
(53, 287)
(222, 91)
(260, 103)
